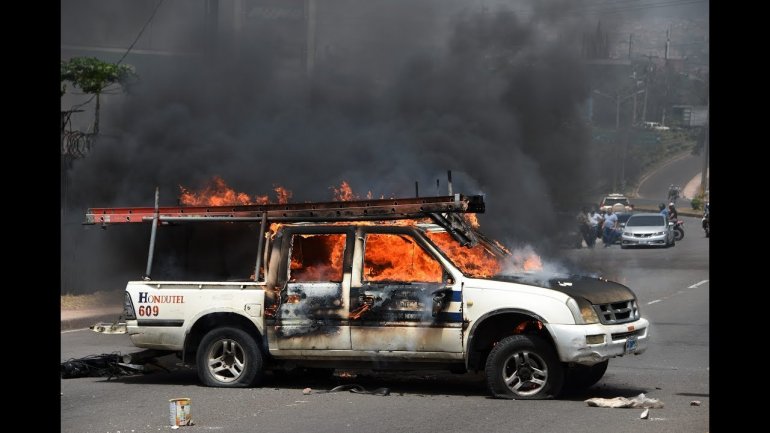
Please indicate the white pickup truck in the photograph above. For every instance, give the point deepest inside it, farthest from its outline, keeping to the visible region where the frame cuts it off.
(400, 283)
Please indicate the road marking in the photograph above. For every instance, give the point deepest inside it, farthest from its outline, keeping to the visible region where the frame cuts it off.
(75, 330)
(652, 302)
(698, 284)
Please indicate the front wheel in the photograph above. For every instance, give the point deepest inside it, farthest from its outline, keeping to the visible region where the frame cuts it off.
(229, 358)
(580, 377)
(524, 367)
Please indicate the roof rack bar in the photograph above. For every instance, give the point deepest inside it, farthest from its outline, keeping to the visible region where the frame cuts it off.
(402, 208)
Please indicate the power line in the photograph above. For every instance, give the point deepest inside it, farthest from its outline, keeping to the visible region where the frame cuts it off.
(140, 32)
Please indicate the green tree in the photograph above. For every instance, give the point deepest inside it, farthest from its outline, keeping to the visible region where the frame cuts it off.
(93, 76)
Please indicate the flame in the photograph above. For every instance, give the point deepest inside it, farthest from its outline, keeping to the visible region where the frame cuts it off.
(385, 260)
(475, 261)
(317, 257)
(283, 194)
(525, 259)
(217, 193)
(472, 219)
(344, 192)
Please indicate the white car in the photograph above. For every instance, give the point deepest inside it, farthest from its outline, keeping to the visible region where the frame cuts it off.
(647, 229)
(616, 203)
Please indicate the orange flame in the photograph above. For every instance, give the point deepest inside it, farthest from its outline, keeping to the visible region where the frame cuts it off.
(396, 258)
(344, 192)
(217, 193)
(475, 261)
(525, 259)
(283, 194)
(472, 219)
(317, 257)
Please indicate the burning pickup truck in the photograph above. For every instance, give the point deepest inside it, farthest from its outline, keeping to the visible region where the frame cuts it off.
(390, 283)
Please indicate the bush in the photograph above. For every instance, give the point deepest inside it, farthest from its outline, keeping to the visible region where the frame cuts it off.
(697, 202)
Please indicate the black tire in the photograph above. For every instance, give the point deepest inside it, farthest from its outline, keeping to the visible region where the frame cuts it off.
(580, 377)
(623, 247)
(229, 358)
(522, 358)
(678, 234)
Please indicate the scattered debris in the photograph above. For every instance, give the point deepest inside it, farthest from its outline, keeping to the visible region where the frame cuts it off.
(695, 403)
(645, 414)
(358, 389)
(307, 391)
(106, 364)
(110, 328)
(640, 401)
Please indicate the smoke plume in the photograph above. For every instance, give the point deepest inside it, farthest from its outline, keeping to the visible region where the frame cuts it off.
(397, 92)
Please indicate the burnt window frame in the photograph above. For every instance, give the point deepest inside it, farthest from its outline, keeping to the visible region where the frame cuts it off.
(289, 232)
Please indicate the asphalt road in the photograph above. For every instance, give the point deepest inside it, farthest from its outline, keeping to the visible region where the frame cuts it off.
(654, 189)
(673, 290)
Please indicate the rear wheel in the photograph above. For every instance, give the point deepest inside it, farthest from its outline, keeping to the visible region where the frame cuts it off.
(524, 367)
(229, 358)
(678, 234)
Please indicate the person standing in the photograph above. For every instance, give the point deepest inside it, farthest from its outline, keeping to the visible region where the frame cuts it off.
(584, 226)
(610, 228)
(594, 220)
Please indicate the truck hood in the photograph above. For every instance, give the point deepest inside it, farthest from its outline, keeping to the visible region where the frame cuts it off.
(594, 290)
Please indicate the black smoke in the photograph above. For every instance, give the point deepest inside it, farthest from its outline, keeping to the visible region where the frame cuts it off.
(398, 93)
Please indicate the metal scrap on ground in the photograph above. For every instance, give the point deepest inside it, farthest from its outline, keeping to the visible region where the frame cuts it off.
(358, 389)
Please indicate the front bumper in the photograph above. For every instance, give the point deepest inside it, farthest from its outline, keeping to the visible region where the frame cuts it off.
(649, 240)
(572, 346)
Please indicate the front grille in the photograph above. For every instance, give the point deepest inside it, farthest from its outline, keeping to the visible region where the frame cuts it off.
(617, 312)
(624, 335)
(642, 235)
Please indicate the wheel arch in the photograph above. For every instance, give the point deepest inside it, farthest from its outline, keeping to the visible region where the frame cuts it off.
(210, 321)
(496, 325)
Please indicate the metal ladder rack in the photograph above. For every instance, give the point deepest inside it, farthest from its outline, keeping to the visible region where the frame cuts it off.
(443, 210)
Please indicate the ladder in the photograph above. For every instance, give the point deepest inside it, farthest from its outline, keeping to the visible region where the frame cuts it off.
(360, 210)
(444, 210)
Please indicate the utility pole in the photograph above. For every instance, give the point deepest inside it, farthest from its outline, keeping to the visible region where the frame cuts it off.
(630, 44)
(703, 175)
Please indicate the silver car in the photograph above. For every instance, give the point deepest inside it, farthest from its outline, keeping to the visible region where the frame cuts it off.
(647, 229)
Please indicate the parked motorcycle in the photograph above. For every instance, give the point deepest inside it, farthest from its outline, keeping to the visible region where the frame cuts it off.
(705, 221)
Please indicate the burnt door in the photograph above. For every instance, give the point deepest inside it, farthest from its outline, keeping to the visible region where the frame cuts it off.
(402, 298)
(313, 301)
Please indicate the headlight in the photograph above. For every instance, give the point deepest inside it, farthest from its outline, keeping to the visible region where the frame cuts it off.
(582, 311)
(658, 234)
(626, 233)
